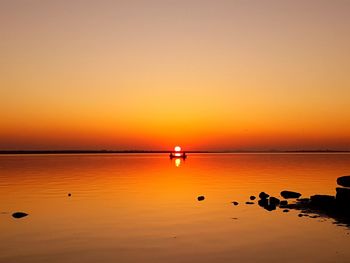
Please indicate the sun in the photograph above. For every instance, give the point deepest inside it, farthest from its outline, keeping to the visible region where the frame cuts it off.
(177, 149)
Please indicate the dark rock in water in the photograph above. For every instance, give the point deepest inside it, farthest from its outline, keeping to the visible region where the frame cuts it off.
(270, 207)
(69, 194)
(235, 203)
(200, 198)
(263, 202)
(322, 200)
(285, 210)
(263, 195)
(303, 200)
(300, 215)
(249, 203)
(290, 194)
(19, 215)
(274, 200)
(283, 203)
(252, 197)
(344, 181)
(343, 195)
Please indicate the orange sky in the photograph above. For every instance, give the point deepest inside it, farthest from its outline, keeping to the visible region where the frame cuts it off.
(150, 74)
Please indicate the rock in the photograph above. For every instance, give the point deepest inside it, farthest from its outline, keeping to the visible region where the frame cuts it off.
(19, 215)
(249, 203)
(274, 200)
(200, 198)
(270, 207)
(303, 200)
(263, 202)
(285, 210)
(290, 194)
(344, 181)
(263, 195)
(343, 195)
(69, 194)
(252, 197)
(300, 215)
(235, 203)
(283, 203)
(322, 200)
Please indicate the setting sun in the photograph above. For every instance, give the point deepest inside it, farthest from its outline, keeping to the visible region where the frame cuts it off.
(177, 149)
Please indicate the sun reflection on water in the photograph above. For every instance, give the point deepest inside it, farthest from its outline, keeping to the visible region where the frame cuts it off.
(177, 162)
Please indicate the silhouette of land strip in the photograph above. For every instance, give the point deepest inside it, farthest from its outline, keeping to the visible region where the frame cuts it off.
(159, 151)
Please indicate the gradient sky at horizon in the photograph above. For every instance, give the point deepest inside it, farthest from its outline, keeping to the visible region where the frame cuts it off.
(208, 75)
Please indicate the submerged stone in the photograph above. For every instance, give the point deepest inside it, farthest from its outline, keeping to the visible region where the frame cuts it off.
(283, 203)
(263, 202)
(19, 215)
(303, 200)
(344, 181)
(274, 200)
(322, 200)
(270, 207)
(235, 203)
(252, 197)
(343, 195)
(200, 198)
(285, 210)
(263, 195)
(290, 194)
(249, 203)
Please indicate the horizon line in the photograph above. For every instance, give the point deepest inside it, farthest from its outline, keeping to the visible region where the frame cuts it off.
(71, 151)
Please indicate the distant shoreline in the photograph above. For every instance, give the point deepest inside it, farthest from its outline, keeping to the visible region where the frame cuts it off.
(3, 152)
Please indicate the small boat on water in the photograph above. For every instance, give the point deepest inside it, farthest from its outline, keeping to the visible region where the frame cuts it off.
(177, 153)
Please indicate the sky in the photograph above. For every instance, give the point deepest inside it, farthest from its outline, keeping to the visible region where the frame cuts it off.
(151, 74)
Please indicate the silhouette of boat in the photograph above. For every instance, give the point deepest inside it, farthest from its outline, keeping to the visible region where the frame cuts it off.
(177, 155)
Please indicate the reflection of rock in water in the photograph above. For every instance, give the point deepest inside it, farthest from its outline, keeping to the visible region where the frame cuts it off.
(336, 207)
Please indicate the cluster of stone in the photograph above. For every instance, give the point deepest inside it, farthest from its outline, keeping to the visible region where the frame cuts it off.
(343, 193)
(270, 203)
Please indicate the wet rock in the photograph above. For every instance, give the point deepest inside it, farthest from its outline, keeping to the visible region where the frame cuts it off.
(344, 181)
(235, 203)
(270, 207)
(343, 195)
(69, 194)
(274, 200)
(249, 203)
(263, 202)
(252, 197)
(19, 215)
(263, 195)
(290, 194)
(200, 198)
(283, 203)
(322, 200)
(285, 210)
(303, 200)
(300, 215)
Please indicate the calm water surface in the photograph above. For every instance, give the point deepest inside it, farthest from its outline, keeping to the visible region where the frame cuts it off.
(144, 208)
